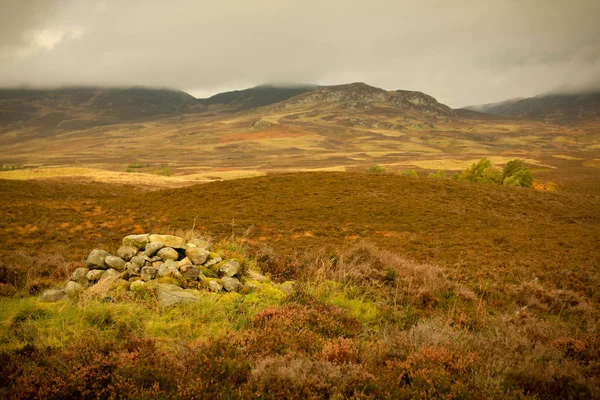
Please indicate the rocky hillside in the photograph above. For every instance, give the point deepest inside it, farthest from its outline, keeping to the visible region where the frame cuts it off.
(553, 107)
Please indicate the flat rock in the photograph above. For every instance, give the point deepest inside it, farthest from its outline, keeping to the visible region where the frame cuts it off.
(95, 275)
(115, 262)
(126, 252)
(152, 248)
(52, 295)
(168, 253)
(175, 242)
(231, 284)
(96, 259)
(230, 268)
(170, 295)
(197, 255)
(137, 241)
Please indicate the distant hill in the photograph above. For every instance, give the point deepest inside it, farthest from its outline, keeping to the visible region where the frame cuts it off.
(84, 107)
(554, 107)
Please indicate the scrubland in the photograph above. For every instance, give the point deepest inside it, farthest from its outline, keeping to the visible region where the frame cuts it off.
(405, 288)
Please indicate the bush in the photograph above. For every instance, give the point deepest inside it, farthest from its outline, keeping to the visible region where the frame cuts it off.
(440, 174)
(516, 174)
(410, 173)
(482, 172)
(375, 169)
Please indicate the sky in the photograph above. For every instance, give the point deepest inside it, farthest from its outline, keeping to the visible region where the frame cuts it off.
(462, 52)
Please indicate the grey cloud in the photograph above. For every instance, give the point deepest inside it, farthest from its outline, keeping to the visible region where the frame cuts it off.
(460, 52)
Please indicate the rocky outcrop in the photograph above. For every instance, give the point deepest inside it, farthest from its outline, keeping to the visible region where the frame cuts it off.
(169, 266)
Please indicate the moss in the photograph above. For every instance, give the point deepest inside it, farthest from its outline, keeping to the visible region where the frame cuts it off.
(230, 298)
(209, 273)
(135, 278)
(170, 280)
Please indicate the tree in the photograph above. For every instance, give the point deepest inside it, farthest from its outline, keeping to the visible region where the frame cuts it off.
(516, 174)
(440, 174)
(482, 172)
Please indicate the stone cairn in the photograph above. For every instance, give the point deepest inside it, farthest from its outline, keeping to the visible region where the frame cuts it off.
(166, 262)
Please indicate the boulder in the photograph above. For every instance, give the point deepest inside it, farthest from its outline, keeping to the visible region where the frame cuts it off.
(229, 268)
(95, 275)
(137, 241)
(213, 259)
(148, 273)
(80, 276)
(214, 286)
(139, 260)
(231, 284)
(126, 252)
(199, 243)
(156, 259)
(157, 264)
(175, 242)
(168, 253)
(52, 295)
(152, 248)
(170, 295)
(197, 255)
(190, 272)
(131, 270)
(110, 274)
(185, 261)
(115, 262)
(96, 259)
(169, 268)
(73, 288)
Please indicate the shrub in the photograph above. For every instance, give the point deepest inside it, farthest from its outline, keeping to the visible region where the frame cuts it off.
(410, 173)
(375, 169)
(440, 174)
(516, 174)
(482, 172)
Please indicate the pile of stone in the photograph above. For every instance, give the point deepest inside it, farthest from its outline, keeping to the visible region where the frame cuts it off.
(168, 263)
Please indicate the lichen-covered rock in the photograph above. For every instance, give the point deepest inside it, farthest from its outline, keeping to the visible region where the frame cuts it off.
(115, 262)
(168, 253)
(288, 287)
(230, 268)
(190, 272)
(184, 261)
(170, 295)
(96, 259)
(72, 288)
(139, 260)
(148, 273)
(231, 284)
(126, 252)
(52, 295)
(251, 287)
(197, 255)
(110, 274)
(213, 285)
(175, 242)
(152, 248)
(137, 285)
(95, 275)
(213, 259)
(199, 243)
(131, 270)
(80, 276)
(137, 241)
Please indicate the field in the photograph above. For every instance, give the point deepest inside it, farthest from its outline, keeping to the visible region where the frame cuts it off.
(406, 287)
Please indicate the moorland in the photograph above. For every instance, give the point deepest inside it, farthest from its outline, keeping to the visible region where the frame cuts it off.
(406, 286)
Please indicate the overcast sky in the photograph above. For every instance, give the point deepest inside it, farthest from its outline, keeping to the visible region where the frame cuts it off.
(461, 52)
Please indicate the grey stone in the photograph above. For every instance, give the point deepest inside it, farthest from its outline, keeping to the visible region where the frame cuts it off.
(168, 253)
(170, 295)
(231, 284)
(96, 259)
(95, 274)
(230, 268)
(52, 295)
(197, 255)
(73, 288)
(213, 261)
(139, 260)
(115, 262)
(169, 268)
(126, 252)
(110, 274)
(175, 242)
(184, 261)
(80, 276)
(214, 286)
(137, 241)
(152, 248)
(190, 272)
(131, 270)
(148, 273)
